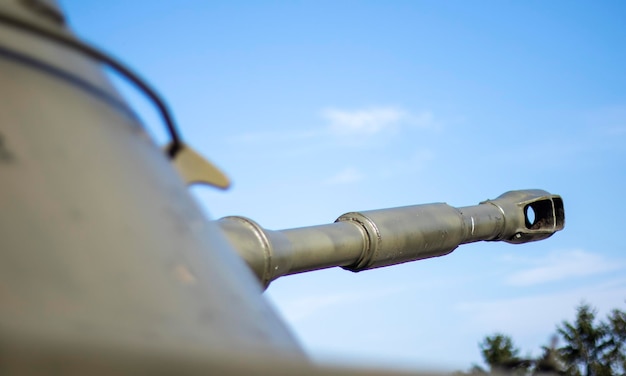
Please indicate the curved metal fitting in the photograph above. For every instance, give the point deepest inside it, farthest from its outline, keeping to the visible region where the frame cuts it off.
(252, 244)
(407, 233)
(531, 215)
(372, 239)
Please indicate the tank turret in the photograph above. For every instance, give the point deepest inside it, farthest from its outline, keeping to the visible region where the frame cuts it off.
(108, 265)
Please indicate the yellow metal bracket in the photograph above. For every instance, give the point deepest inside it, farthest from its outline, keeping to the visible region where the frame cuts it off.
(195, 169)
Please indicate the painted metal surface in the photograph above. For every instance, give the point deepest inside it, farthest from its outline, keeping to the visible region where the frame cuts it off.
(102, 246)
(107, 265)
(364, 240)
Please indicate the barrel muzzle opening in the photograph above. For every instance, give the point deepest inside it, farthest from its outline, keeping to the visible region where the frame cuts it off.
(530, 215)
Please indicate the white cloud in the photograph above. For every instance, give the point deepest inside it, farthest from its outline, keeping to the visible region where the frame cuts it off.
(563, 265)
(365, 121)
(374, 120)
(349, 127)
(345, 176)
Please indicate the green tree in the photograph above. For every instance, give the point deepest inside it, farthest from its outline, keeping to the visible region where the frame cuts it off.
(501, 355)
(550, 361)
(585, 343)
(615, 355)
(591, 348)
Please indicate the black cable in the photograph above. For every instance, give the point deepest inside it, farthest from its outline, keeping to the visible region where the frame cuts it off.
(75, 44)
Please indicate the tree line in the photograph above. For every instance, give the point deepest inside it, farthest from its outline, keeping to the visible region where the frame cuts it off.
(588, 347)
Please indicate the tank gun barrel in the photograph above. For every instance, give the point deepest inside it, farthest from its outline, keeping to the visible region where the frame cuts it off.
(371, 239)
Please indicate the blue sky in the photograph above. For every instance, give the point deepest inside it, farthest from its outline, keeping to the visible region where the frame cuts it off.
(319, 108)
